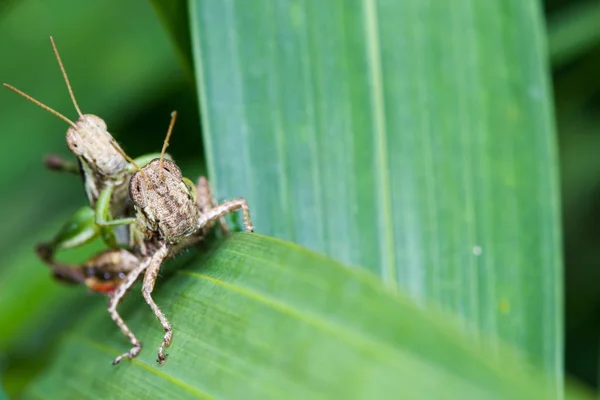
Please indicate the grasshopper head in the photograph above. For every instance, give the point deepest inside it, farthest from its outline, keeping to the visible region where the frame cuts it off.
(89, 140)
(166, 203)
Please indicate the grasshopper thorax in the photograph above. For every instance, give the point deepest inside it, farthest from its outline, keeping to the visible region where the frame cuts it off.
(90, 141)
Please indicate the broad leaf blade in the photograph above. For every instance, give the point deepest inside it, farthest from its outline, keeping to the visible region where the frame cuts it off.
(412, 138)
(266, 319)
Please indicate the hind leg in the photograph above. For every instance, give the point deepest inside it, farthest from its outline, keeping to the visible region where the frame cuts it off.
(205, 202)
(216, 213)
(147, 288)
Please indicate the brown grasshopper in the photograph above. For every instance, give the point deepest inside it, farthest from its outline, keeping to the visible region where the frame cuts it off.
(174, 215)
(105, 174)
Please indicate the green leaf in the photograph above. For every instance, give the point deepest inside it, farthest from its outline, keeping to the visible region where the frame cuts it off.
(261, 318)
(175, 17)
(412, 138)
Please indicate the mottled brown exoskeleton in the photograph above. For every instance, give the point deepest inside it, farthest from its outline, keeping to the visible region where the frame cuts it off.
(113, 272)
(173, 218)
(105, 172)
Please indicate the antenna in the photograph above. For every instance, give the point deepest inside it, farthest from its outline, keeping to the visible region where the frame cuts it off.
(62, 68)
(45, 107)
(166, 143)
(129, 159)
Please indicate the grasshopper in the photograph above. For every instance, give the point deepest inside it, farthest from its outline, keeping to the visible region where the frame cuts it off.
(105, 174)
(172, 214)
(169, 211)
(175, 218)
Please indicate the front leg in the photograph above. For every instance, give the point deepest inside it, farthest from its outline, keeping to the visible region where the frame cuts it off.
(103, 217)
(147, 288)
(56, 163)
(114, 301)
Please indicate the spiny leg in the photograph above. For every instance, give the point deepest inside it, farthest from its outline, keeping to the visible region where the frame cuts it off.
(147, 288)
(207, 218)
(114, 301)
(205, 201)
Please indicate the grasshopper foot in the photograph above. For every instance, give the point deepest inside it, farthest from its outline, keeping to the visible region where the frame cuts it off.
(162, 357)
(161, 349)
(135, 350)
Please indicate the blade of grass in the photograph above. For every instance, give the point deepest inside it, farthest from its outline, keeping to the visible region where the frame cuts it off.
(261, 318)
(412, 138)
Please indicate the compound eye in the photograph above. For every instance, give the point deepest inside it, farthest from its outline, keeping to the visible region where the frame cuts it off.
(171, 168)
(137, 189)
(74, 141)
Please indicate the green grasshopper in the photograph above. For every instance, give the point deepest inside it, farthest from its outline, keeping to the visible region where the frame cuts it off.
(105, 174)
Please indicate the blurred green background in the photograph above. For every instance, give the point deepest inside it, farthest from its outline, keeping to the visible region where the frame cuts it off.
(574, 43)
(125, 67)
